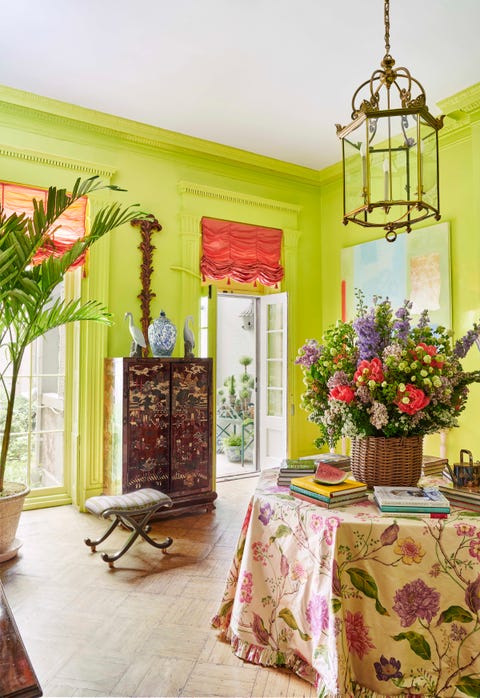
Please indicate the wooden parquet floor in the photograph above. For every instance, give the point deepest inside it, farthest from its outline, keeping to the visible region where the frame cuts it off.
(142, 629)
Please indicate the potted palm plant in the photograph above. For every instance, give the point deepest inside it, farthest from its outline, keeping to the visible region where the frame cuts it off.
(233, 447)
(27, 310)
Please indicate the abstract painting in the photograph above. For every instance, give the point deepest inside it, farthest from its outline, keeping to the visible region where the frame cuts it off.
(416, 266)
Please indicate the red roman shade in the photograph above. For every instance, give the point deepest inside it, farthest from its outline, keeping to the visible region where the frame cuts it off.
(242, 252)
(70, 227)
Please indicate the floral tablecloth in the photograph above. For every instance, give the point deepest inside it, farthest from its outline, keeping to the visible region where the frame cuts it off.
(357, 603)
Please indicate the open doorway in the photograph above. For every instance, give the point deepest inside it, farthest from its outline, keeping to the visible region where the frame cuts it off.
(236, 379)
(251, 382)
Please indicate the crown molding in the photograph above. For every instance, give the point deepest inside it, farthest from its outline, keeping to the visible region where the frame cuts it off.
(55, 113)
(460, 109)
(206, 192)
(465, 102)
(59, 161)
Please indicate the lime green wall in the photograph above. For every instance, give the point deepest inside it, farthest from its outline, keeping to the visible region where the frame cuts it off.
(178, 179)
(43, 142)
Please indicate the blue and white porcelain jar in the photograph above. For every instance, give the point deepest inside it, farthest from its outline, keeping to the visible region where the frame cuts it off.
(162, 335)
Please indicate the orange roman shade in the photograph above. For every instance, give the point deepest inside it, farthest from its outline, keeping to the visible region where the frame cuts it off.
(16, 198)
(242, 252)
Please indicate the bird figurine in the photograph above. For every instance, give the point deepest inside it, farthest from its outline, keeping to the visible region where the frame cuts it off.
(188, 338)
(138, 340)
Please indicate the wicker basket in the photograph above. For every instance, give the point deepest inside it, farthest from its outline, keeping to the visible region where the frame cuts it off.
(395, 462)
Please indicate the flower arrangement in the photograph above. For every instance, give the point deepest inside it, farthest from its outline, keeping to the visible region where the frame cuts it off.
(380, 375)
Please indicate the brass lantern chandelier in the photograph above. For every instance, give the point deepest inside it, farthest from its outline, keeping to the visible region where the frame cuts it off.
(390, 151)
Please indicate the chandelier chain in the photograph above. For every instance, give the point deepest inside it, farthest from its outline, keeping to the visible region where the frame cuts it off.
(387, 26)
(390, 180)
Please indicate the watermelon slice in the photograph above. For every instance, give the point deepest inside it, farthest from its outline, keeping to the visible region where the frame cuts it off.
(328, 474)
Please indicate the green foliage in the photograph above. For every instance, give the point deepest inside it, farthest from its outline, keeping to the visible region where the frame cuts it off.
(417, 642)
(23, 421)
(230, 384)
(232, 440)
(245, 361)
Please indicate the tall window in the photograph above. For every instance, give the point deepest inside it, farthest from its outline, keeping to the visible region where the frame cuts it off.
(38, 441)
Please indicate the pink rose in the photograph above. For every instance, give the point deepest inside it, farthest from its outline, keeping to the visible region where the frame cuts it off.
(342, 392)
(417, 399)
(370, 370)
(431, 351)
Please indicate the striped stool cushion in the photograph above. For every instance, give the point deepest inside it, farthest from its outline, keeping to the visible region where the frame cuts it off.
(131, 501)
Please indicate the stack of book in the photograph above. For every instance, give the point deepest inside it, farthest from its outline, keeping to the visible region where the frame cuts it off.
(426, 501)
(295, 467)
(329, 496)
(306, 465)
(461, 497)
(433, 465)
(336, 459)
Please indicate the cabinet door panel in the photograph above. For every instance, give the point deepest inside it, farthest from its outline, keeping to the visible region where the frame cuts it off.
(190, 427)
(146, 433)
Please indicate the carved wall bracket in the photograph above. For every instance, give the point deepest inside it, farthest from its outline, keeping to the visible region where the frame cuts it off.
(147, 228)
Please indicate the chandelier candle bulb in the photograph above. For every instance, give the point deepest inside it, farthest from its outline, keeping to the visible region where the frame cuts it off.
(386, 178)
(364, 166)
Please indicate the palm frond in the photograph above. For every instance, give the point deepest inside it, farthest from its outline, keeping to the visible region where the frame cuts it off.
(62, 312)
(112, 217)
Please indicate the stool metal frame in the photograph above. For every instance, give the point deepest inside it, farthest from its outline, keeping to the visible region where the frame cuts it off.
(137, 521)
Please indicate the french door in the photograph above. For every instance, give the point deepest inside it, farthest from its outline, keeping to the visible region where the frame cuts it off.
(272, 422)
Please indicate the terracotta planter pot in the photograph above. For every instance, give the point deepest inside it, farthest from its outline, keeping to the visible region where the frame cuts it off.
(394, 462)
(10, 509)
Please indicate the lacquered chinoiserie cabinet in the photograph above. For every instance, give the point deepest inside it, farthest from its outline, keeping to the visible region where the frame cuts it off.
(158, 428)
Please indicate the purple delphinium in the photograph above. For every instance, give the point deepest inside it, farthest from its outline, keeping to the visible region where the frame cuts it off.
(368, 336)
(401, 325)
(424, 320)
(463, 345)
(309, 353)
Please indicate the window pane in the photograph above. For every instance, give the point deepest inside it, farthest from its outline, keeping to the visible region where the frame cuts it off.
(274, 374)
(275, 317)
(274, 398)
(21, 446)
(49, 441)
(36, 454)
(274, 346)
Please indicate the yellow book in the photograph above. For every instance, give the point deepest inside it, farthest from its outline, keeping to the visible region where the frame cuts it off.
(307, 482)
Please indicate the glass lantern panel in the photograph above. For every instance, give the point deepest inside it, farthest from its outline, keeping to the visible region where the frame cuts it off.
(392, 166)
(354, 171)
(429, 164)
